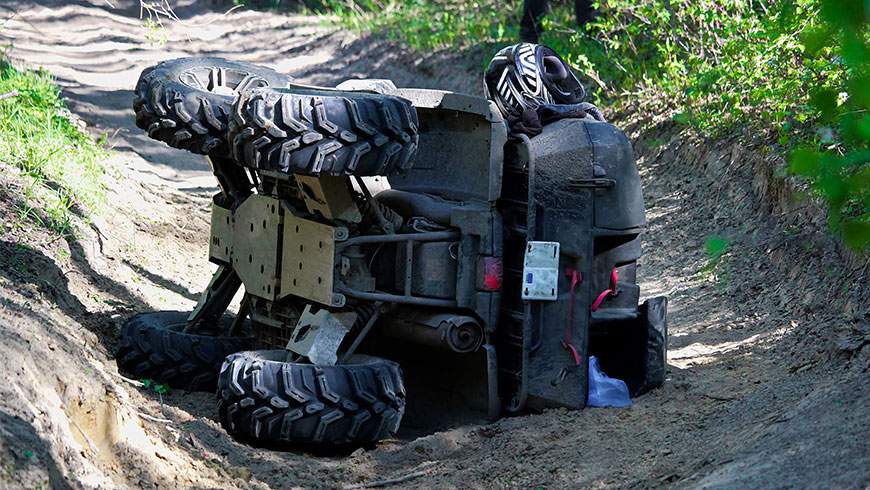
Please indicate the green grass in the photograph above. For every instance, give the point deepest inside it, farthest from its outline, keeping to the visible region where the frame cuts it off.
(60, 163)
(794, 72)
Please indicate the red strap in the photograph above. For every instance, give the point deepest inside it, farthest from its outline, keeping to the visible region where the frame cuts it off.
(600, 299)
(576, 278)
(614, 279)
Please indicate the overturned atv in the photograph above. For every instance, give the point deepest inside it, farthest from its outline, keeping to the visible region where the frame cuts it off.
(480, 264)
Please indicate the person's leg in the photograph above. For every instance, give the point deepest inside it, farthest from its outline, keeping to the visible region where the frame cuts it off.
(584, 11)
(530, 25)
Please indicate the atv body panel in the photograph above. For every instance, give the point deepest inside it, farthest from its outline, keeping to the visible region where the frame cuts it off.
(582, 191)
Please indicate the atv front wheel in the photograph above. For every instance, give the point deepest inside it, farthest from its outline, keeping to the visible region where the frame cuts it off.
(322, 131)
(153, 346)
(264, 399)
(186, 102)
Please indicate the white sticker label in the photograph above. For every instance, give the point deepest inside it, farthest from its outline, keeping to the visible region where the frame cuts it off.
(541, 271)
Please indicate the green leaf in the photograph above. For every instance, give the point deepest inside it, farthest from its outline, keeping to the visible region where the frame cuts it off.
(844, 14)
(859, 90)
(855, 128)
(804, 161)
(854, 50)
(856, 234)
(815, 39)
(831, 163)
(786, 14)
(833, 187)
(146, 383)
(681, 118)
(863, 128)
(859, 182)
(825, 101)
(716, 246)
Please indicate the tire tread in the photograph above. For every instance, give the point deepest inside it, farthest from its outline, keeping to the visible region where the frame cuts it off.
(292, 403)
(323, 133)
(191, 118)
(147, 349)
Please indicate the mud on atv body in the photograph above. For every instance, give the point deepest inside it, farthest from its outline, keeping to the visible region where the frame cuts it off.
(430, 272)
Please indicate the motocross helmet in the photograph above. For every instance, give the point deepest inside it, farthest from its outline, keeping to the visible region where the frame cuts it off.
(525, 75)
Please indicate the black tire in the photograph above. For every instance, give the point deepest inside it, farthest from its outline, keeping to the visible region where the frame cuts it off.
(321, 131)
(266, 401)
(654, 314)
(186, 102)
(153, 347)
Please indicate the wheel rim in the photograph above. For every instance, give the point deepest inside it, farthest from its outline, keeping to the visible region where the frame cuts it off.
(222, 81)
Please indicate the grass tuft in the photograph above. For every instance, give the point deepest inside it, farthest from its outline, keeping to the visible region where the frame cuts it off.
(60, 163)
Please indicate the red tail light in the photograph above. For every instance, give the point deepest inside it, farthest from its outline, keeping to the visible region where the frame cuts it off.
(492, 272)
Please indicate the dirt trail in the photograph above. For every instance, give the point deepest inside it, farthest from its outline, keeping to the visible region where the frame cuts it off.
(768, 358)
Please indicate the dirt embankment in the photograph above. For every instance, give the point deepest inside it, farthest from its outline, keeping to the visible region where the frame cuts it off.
(768, 357)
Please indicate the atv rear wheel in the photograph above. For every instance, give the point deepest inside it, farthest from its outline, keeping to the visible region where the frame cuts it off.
(186, 102)
(263, 399)
(152, 346)
(323, 131)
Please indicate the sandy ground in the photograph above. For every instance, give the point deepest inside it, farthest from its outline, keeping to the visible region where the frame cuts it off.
(768, 363)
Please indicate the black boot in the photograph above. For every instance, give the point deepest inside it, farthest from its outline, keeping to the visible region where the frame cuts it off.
(530, 25)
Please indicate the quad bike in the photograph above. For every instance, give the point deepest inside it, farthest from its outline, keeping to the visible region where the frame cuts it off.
(373, 227)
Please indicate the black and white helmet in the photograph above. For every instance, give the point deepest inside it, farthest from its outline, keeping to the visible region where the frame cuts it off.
(525, 75)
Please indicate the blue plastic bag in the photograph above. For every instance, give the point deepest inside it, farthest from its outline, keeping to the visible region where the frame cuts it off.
(605, 391)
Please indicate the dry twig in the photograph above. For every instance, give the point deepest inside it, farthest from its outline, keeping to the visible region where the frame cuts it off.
(154, 419)
(85, 436)
(393, 481)
(123, 378)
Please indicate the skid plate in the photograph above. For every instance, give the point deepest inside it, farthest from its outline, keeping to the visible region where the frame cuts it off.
(255, 245)
(221, 243)
(307, 259)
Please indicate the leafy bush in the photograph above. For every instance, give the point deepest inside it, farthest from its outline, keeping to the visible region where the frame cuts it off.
(836, 161)
(794, 71)
(426, 25)
(59, 161)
